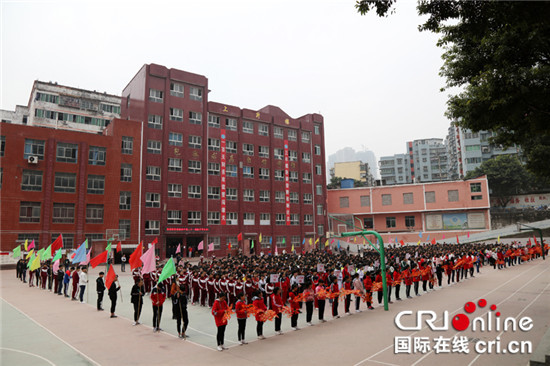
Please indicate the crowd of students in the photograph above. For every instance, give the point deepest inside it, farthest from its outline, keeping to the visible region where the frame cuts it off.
(267, 287)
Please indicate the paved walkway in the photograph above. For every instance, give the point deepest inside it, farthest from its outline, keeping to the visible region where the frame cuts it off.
(54, 330)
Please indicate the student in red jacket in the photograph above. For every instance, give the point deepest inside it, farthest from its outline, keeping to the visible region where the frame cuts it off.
(367, 282)
(294, 306)
(158, 296)
(240, 310)
(258, 302)
(218, 310)
(276, 304)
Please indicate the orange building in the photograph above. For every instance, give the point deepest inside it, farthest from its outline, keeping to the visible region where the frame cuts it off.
(413, 212)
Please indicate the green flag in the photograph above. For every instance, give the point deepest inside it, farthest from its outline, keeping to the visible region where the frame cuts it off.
(17, 251)
(252, 244)
(57, 255)
(168, 270)
(47, 253)
(31, 260)
(86, 243)
(40, 253)
(108, 248)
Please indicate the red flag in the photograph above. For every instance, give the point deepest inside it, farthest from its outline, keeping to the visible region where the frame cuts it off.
(240, 237)
(457, 241)
(401, 242)
(433, 241)
(57, 244)
(155, 241)
(119, 247)
(110, 278)
(536, 241)
(135, 257)
(229, 246)
(98, 259)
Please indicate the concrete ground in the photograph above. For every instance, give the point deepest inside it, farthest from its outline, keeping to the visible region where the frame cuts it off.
(41, 328)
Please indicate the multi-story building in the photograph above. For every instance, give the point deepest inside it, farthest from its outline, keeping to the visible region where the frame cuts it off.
(470, 149)
(80, 185)
(395, 169)
(212, 171)
(350, 154)
(413, 212)
(357, 170)
(430, 160)
(425, 161)
(64, 107)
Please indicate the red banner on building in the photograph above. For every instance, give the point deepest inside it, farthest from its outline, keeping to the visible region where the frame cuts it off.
(223, 181)
(287, 186)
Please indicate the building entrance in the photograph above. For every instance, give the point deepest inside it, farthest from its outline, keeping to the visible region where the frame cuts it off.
(172, 243)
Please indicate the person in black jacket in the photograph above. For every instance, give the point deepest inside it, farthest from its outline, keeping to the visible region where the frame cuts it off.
(138, 290)
(59, 276)
(179, 309)
(100, 288)
(113, 296)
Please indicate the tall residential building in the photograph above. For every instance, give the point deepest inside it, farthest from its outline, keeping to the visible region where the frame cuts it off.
(467, 150)
(428, 160)
(213, 172)
(350, 154)
(65, 107)
(357, 170)
(395, 169)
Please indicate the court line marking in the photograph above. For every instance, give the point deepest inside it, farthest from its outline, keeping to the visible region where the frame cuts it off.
(28, 353)
(496, 288)
(52, 333)
(521, 312)
(498, 303)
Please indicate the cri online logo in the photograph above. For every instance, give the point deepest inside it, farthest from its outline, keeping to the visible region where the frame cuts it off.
(461, 321)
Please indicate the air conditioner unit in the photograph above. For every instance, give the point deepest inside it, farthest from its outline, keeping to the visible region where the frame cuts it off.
(32, 159)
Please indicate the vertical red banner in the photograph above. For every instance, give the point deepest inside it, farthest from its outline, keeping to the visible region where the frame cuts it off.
(287, 186)
(223, 181)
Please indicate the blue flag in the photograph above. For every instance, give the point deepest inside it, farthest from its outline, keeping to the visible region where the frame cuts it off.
(420, 234)
(80, 255)
(428, 239)
(270, 240)
(304, 241)
(338, 244)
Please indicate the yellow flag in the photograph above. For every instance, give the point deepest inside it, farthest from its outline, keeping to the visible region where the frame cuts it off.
(355, 239)
(292, 249)
(260, 238)
(35, 263)
(317, 241)
(498, 239)
(26, 242)
(30, 254)
(418, 243)
(310, 242)
(326, 243)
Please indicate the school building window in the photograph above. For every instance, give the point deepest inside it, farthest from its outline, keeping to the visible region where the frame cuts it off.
(452, 195)
(195, 118)
(475, 187)
(155, 122)
(124, 227)
(29, 211)
(365, 201)
(63, 213)
(156, 95)
(97, 155)
(213, 218)
(67, 153)
(344, 202)
(127, 146)
(408, 198)
(430, 197)
(386, 200)
(125, 200)
(390, 222)
(152, 173)
(152, 200)
(410, 221)
(174, 217)
(94, 214)
(152, 227)
(174, 165)
(174, 190)
(193, 218)
(193, 191)
(65, 182)
(31, 180)
(96, 184)
(34, 148)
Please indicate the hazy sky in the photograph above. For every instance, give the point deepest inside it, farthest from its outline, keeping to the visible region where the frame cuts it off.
(375, 80)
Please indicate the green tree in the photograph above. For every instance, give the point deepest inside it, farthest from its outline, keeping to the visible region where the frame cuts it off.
(507, 177)
(498, 54)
